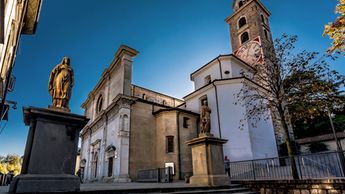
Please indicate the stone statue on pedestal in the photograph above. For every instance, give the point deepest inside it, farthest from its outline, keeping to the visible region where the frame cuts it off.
(51, 148)
(60, 85)
(205, 113)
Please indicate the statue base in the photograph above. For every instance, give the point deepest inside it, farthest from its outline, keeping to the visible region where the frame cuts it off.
(61, 109)
(50, 152)
(208, 161)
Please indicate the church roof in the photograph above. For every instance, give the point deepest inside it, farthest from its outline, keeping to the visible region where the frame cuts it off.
(175, 109)
(220, 56)
(235, 11)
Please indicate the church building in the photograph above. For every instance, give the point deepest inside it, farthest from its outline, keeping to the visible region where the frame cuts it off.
(132, 128)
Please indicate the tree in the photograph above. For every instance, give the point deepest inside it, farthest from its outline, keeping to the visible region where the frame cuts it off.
(10, 163)
(316, 147)
(336, 30)
(300, 81)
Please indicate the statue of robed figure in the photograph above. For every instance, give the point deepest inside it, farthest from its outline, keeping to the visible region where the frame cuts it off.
(205, 120)
(60, 85)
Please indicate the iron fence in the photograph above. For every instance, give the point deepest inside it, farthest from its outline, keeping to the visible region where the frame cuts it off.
(160, 175)
(3, 179)
(328, 165)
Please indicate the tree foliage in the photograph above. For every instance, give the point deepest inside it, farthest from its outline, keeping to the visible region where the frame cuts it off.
(316, 147)
(290, 80)
(336, 30)
(10, 163)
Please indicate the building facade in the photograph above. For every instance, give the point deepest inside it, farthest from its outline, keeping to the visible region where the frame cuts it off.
(132, 128)
(17, 17)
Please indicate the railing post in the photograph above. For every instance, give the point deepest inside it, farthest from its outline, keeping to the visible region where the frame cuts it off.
(299, 167)
(158, 175)
(253, 169)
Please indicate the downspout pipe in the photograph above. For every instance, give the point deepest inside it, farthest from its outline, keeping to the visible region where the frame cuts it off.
(217, 104)
(178, 145)
(220, 68)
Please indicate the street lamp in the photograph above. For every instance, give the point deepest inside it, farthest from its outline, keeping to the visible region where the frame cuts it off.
(339, 148)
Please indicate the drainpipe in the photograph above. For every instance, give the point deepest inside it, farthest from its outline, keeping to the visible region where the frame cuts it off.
(178, 145)
(216, 93)
(220, 68)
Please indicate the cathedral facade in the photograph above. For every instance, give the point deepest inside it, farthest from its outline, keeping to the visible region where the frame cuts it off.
(132, 128)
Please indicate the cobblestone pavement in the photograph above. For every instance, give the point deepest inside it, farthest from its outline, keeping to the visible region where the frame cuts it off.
(133, 185)
(119, 186)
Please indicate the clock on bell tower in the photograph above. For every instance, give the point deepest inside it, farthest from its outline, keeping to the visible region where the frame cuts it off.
(250, 30)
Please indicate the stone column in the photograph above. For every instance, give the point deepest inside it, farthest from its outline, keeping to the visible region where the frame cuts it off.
(50, 152)
(208, 161)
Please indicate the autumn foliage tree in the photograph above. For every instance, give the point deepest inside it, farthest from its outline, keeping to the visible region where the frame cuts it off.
(336, 30)
(10, 163)
(289, 80)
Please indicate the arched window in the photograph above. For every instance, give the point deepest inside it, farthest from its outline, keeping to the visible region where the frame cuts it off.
(240, 4)
(99, 106)
(244, 37)
(262, 18)
(266, 34)
(242, 22)
(125, 123)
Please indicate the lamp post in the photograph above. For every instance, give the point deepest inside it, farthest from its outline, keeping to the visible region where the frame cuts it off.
(339, 147)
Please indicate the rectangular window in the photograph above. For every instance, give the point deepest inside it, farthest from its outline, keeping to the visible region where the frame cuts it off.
(207, 79)
(170, 144)
(110, 167)
(185, 122)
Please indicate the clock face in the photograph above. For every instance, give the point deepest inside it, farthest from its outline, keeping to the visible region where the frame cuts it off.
(250, 52)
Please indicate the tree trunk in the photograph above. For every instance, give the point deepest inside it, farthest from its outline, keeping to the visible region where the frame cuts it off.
(288, 145)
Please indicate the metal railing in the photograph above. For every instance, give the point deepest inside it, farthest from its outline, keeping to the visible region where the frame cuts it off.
(160, 175)
(310, 166)
(3, 179)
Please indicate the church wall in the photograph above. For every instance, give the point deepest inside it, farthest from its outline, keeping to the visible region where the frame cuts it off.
(187, 134)
(84, 151)
(112, 139)
(142, 145)
(193, 103)
(212, 70)
(96, 135)
(238, 146)
(116, 82)
(166, 125)
(170, 123)
(236, 70)
(262, 137)
(226, 66)
(156, 97)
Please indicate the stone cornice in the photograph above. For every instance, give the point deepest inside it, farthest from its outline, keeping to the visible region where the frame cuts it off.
(120, 101)
(119, 57)
(245, 5)
(220, 57)
(210, 85)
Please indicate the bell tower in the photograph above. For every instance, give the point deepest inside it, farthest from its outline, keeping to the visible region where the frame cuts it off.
(248, 23)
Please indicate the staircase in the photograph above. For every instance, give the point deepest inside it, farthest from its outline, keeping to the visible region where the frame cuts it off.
(233, 188)
(165, 188)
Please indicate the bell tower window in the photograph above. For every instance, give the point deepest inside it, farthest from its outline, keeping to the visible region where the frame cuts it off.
(262, 18)
(244, 37)
(242, 22)
(266, 34)
(240, 4)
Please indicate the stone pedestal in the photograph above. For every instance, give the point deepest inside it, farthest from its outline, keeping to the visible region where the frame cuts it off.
(208, 161)
(50, 152)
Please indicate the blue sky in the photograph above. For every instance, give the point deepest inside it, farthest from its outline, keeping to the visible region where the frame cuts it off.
(174, 38)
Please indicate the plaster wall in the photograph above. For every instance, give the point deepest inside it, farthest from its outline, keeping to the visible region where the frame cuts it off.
(142, 148)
